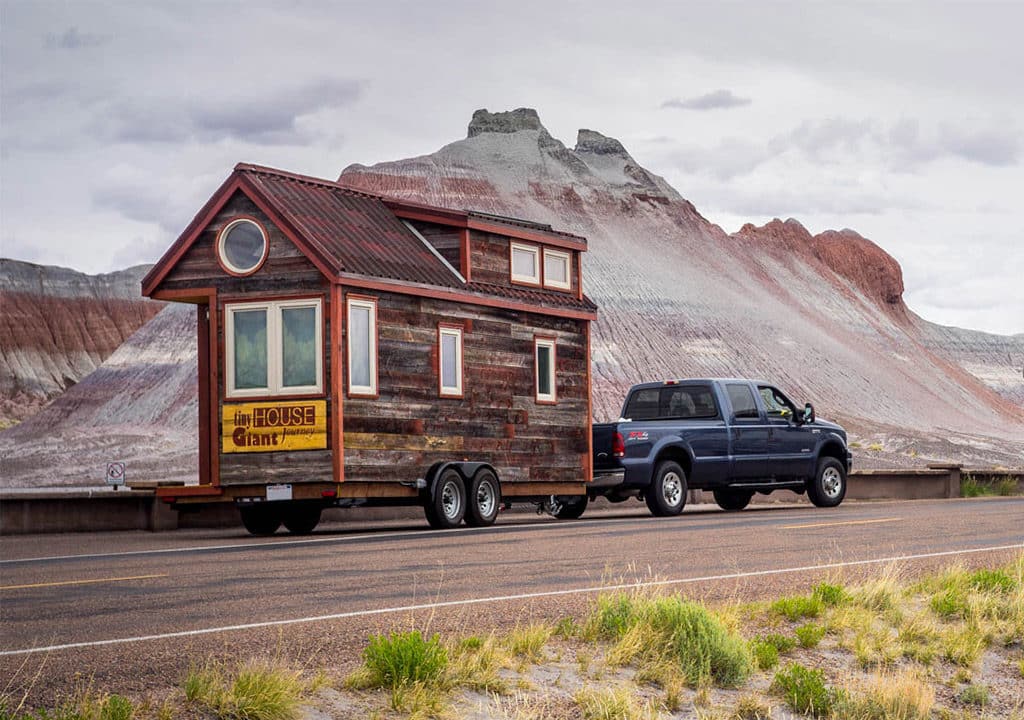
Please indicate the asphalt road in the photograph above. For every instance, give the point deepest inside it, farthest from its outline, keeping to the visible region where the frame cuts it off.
(131, 610)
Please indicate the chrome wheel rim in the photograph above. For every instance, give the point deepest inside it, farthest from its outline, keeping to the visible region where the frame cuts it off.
(451, 499)
(485, 499)
(672, 488)
(831, 482)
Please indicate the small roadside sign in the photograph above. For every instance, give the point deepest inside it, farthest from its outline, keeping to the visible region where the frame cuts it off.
(115, 474)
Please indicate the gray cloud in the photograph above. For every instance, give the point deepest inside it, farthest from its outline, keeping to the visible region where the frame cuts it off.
(717, 100)
(72, 39)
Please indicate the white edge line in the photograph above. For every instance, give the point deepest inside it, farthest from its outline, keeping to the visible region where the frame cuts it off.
(502, 598)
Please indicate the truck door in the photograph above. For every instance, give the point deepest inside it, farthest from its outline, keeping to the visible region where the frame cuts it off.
(790, 446)
(748, 434)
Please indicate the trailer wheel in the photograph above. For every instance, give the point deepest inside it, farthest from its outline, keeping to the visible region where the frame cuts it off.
(667, 493)
(447, 504)
(572, 508)
(484, 499)
(732, 499)
(828, 486)
(261, 519)
(302, 518)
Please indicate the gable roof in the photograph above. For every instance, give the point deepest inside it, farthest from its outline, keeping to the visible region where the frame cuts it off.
(352, 236)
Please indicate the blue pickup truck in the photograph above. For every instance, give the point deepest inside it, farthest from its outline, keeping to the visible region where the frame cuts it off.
(733, 437)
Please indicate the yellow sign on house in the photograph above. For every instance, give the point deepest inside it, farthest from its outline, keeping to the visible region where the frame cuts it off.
(274, 426)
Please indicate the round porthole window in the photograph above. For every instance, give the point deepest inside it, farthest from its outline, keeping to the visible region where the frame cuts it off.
(242, 247)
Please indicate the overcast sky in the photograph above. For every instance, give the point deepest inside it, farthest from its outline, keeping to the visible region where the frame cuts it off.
(902, 121)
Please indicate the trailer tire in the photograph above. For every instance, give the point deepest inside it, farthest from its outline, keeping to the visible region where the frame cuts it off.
(572, 508)
(667, 494)
(446, 505)
(261, 519)
(828, 486)
(302, 518)
(484, 499)
(732, 499)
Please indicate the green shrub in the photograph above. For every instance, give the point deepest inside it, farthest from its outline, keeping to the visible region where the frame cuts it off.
(974, 695)
(262, 692)
(612, 618)
(948, 605)
(805, 690)
(971, 487)
(403, 658)
(796, 607)
(991, 581)
(766, 655)
(810, 634)
(831, 595)
(1006, 487)
(117, 707)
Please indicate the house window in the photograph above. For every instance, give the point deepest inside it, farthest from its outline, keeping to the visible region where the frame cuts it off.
(362, 347)
(556, 269)
(242, 247)
(544, 364)
(525, 264)
(449, 342)
(274, 348)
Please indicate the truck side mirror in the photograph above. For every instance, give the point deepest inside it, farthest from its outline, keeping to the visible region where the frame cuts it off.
(808, 416)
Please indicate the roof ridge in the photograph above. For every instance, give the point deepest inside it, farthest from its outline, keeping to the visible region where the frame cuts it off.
(307, 179)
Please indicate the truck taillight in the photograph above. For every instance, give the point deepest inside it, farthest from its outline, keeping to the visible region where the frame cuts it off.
(618, 445)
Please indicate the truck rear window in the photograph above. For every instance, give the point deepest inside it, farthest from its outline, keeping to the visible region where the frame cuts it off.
(677, 402)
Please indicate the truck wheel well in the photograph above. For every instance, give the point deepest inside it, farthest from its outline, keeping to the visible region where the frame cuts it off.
(678, 455)
(834, 450)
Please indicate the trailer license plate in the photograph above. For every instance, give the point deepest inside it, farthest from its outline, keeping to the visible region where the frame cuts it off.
(279, 492)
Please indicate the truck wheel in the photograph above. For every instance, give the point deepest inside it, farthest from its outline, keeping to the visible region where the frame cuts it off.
(301, 519)
(572, 508)
(261, 519)
(447, 505)
(733, 499)
(667, 493)
(484, 499)
(828, 487)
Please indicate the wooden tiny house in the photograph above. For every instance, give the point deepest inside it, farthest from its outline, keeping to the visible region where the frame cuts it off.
(355, 349)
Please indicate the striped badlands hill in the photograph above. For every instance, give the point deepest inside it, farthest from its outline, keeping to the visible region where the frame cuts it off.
(821, 314)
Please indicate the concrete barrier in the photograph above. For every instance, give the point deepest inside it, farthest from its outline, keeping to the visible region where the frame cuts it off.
(85, 510)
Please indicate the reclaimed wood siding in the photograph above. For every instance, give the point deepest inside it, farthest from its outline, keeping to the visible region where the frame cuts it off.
(400, 434)
(446, 240)
(286, 272)
(491, 262)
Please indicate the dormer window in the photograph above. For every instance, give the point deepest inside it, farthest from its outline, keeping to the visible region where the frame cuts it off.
(525, 264)
(556, 270)
(242, 247)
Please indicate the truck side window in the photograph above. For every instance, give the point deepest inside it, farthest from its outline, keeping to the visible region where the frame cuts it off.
(778, 405)
(687, 403)
(742, 401)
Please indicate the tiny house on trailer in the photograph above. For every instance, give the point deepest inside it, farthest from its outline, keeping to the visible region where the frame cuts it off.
(357, 350)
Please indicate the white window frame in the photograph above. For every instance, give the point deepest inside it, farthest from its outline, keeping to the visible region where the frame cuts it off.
(449, 390)
(533, 250)
(371, 305)
(567, 285)
(551, 343)
(275, 348)
(222, 255)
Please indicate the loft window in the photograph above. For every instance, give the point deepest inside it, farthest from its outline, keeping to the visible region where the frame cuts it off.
(449, 343)
(242, 247)
(556, 269)
(273, 348)
(525, 264)
(544, 364)
(362, 347)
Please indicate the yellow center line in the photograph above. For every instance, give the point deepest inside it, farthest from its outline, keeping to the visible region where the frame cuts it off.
(833, 524)
(81, 582)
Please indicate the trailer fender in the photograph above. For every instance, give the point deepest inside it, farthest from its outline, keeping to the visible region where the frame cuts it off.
(465, 468)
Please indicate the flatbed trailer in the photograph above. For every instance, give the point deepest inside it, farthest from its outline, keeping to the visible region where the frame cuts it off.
(355, 351)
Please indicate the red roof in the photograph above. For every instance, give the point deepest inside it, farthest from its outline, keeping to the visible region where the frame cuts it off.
(349, 233)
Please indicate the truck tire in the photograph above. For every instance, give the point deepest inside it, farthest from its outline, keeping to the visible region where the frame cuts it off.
(261, 519)
(733, 499)
(828, 486)
(301, 518)
(572, 508)
(484, 499)
(446, 506)
(667, 494)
